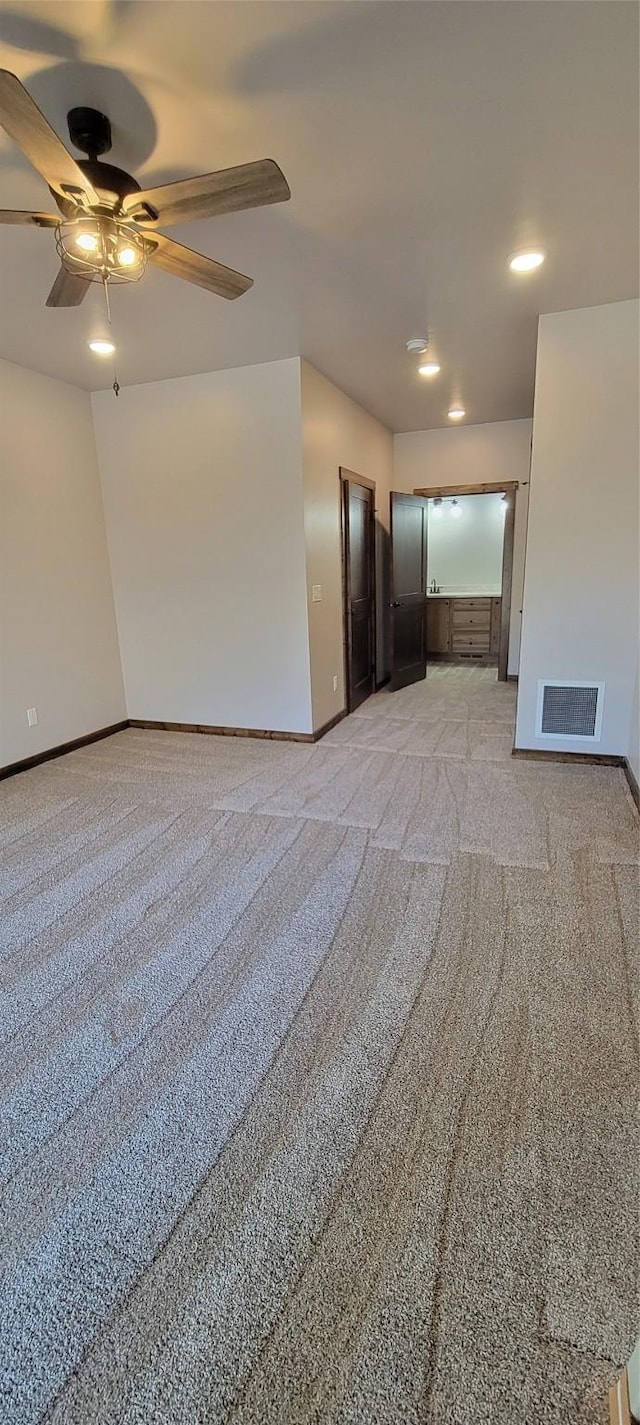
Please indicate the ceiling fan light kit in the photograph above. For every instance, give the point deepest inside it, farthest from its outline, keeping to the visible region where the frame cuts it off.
(100, 249)
(107, 228)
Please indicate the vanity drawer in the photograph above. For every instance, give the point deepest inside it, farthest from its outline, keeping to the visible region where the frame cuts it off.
(472, 604)
(462, 642)
(475, 620)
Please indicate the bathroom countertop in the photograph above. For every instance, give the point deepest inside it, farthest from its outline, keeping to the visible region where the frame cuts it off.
(463, 594)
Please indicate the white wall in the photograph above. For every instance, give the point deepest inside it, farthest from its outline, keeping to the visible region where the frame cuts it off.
(202, 481)
(474, 455)
(581, 584)
(464, 551)
(338, 432)
(58, 642)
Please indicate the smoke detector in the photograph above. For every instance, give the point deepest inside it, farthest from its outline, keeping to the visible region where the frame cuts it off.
(417, 344)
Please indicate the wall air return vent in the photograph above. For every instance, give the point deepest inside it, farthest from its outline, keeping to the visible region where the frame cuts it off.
(567, 710)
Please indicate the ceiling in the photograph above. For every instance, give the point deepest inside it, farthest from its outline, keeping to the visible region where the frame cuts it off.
(423, 143)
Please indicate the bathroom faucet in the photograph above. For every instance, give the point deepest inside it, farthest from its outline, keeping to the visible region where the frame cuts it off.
(432, 587)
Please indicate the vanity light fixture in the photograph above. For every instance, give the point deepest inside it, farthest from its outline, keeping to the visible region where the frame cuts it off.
(455, 510)
(526, 261)
(457, 413)
(436, 507)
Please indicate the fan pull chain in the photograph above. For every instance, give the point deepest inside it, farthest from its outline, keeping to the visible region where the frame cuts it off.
(105, 284)
(116, 384)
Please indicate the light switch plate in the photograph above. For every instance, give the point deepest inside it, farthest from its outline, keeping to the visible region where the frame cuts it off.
(316, 594)
(32, 716)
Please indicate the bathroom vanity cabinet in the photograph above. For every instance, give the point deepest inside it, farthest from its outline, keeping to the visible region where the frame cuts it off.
(463, 627)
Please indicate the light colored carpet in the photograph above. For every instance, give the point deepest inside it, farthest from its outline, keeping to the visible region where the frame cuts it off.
(318, 1077)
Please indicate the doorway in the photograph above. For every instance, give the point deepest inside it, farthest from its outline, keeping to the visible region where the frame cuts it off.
(468, 606)
(359, 586)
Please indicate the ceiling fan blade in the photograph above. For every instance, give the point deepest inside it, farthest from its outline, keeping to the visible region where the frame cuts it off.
(68, 290)
(203, 271)
(41, 220)
(22, 120)
(251, 185)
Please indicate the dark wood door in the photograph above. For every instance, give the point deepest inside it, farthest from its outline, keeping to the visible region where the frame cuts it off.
(359, 589)
(408, 634)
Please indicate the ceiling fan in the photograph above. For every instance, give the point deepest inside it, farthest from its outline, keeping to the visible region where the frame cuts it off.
(107, 226)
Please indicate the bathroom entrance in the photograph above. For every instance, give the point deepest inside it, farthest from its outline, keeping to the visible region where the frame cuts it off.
(469, 574)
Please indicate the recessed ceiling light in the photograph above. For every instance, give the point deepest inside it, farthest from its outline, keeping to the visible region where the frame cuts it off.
(456, 413)
(102, 348)
(526, 261)
(127, 256)
(87, 241)
(429, 368)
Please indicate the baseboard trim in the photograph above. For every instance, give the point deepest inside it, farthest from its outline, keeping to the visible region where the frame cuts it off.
(26, 763)
(512, 677)
(61, 750)
(619, 1406)
(209, 730)
(327, 726)
(212, 730)
(634, 788)
(470, 660)
(531, 754)
(597, 759)
(383, 682)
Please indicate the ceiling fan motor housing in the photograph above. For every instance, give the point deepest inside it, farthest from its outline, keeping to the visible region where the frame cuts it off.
(90, 131)
(108, 180)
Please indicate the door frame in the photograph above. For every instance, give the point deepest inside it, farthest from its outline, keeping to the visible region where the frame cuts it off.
(345, 476)
(508, 488)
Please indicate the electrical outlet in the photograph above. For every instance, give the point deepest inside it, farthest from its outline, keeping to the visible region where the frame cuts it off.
(335, 682)
(32, 716)
(316, 594)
